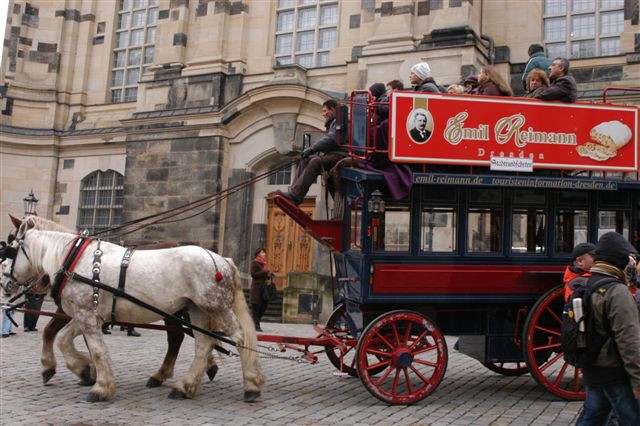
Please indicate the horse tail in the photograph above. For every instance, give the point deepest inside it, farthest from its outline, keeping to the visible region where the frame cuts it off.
(241, 310)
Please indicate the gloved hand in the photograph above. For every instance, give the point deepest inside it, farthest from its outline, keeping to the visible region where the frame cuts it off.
(307, 152)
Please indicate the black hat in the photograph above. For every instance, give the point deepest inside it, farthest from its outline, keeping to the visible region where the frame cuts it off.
(583, 248)
(377, 90)
(614, 249)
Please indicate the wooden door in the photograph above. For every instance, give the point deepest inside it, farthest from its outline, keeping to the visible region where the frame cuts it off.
(289, 248)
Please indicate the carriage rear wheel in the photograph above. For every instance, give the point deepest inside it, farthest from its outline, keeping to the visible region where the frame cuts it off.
(410, 349)
(507, 368)
(542, 349)
(338, 326)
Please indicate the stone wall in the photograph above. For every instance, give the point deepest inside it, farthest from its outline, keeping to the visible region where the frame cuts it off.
(163, 174)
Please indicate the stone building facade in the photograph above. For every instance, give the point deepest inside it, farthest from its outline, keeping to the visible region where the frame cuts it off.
(146, 105)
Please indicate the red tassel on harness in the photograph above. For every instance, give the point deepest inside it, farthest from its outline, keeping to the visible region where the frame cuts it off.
(219, 276)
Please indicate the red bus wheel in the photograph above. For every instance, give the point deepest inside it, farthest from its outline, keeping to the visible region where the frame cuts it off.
(507, 368)
(337, 325)
(542, 349)
(401, 357)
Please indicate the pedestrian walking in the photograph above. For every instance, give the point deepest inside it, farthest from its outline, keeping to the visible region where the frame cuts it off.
(613, 381)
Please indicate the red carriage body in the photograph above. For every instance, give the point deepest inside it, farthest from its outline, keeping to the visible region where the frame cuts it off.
(502, 190)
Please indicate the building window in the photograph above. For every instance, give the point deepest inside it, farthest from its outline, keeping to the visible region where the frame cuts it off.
(281, 177)
(101, 199)
(306, 30)
(583, 28)
(134, 43)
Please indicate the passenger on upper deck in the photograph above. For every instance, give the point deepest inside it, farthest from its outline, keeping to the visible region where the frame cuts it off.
(471, 84)
(456, 89)
(394, 85)
(379, 94)
(322, 155)
(491, 84)
(537, 82)
(421, 79)
(563, 86)
(537, 60)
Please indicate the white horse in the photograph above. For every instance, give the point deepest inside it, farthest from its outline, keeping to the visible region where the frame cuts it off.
(168, 279)
(79, 363)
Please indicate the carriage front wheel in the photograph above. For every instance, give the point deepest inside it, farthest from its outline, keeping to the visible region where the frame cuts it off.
(542, 350)
(401, 357)
(337, 325)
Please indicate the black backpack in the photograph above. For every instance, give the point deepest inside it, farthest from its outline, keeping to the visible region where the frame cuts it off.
(580, 341)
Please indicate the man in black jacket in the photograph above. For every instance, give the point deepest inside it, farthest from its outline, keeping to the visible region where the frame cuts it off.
(563, 86)
(322, 155)
(613, 380)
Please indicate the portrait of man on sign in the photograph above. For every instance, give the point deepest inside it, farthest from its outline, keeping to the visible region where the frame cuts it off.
(420, 125)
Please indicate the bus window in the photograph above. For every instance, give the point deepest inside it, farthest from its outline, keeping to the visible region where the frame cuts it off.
(484, 230)
(438, 233)
(571, 229)
(528, 232)
(613, 220)
(396, 228)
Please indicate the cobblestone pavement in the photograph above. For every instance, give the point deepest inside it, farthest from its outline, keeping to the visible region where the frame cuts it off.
(295, 393)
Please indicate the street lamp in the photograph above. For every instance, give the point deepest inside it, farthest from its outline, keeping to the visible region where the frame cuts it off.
(30, 202)
(376, 203)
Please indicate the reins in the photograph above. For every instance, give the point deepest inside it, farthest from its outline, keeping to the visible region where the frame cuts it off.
(169, 216)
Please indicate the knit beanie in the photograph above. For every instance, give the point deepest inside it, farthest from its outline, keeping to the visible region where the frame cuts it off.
(614, 249)
(422, 70)
(377, 90)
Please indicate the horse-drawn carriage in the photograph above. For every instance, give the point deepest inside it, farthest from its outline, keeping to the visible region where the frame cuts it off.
(500, 192)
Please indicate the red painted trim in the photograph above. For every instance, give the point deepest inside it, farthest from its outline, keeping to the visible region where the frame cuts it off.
(464, 279)
(75, 260)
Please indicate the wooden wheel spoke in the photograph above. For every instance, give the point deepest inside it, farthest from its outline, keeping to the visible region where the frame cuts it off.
(395, 334)
(378, 353)
(408, 380)
(407, 333)
(560, 374)
(548, 330)
(385, 341)
(378, 365)
(544, 347)
(553, 315)
(419, 374)
(384, 376)
(423, 362)
(425, 349)
(419, 339)
(394, 386)
(550, 362)
(576, 379)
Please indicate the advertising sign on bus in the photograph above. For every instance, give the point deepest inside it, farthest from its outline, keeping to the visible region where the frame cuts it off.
(476, 130)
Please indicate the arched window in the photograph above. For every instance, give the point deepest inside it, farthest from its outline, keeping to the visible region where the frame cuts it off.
(101, 198)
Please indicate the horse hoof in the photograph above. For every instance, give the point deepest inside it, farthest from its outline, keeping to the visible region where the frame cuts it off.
(177, 394)
(211, 373)
(47, 375)
(85, 377)
(84, 382)
(94, 397)
(250, 396)
(153, 382)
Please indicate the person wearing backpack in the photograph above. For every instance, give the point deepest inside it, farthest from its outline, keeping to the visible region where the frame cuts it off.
(579, 270)
(612, 381)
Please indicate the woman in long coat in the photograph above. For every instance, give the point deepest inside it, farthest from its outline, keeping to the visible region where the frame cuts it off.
(260, 273)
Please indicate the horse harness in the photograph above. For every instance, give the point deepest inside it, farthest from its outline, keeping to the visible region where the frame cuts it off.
(70, 261)
(124, 265)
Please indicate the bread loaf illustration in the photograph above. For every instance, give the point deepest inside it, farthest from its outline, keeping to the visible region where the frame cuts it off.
(612, 134)
(606, 139)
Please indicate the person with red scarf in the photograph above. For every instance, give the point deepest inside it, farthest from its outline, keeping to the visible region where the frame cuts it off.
(578, 272)
(260, 273)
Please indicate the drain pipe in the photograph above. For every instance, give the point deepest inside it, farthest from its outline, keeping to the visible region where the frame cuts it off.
(489, 40)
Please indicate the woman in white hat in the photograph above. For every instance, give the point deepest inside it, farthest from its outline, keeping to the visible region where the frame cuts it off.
(421, 79)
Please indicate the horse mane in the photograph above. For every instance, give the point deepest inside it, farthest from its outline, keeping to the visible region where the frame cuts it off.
(47, 249)
(47, 225)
